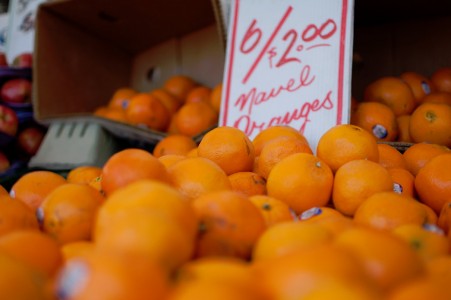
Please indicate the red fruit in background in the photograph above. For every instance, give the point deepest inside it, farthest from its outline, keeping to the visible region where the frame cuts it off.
(23, 60)
(3, 61)
(30, 138)
(4, 163)
(8, 120)
(16, 90)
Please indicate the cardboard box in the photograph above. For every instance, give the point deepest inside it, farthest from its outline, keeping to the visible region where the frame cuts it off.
(86, 49)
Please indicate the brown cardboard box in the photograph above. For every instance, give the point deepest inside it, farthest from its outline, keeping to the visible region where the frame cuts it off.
(85, 49)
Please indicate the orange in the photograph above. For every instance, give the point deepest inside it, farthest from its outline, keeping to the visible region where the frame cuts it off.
(433, 182)
(115, 114)
(441, 79)
(248, 183)
(354, 104)
(388, 210)
(377, 118)
(148, 196)
(172, 127)
(146, 235)
(387, 259)
(438, 97)
(392, 91)
(277, 149)
(439, 268)
(121, 97)
(343, 143)
(403, 129)
(335, 224)
(229, 147)
(230, 224)
(171, 103)
(425, 240)
(357, 180)
(421, 288)
(101, 111)
(204, 289)
(272, 132)
(90, 175)
(301, 180)
(179, 86)
(289, 237)
(418, 154)
(317, 212)
(390, 157)
(273, 210)
(195, 176)
(20, 282)
(215, 97)
(130, 165)
(420, 85)
(444, 217)
(34, 248)
(174, 144)
(403, 181)
(316, 267)
(430, 122)
(104, 276)
(227, 271)
(170, 159)
(339, 290)
(148, 111)
(193, 118)
(32, 187)
(192, 153)
(3, 190)
(432, 216)
(69, 211)
(15, 215)
(200, 93)
(77, 249)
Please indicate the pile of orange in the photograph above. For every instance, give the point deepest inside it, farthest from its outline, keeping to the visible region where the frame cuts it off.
(410, 108)
(181, 105)
(235, 218)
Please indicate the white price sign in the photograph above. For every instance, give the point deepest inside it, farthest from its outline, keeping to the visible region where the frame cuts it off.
(20, 38)
(288, 62)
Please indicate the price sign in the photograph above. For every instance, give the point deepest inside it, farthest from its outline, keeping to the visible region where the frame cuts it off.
(20, 37)
(288, 63)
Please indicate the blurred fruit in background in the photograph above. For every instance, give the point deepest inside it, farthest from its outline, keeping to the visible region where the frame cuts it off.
(180, 105)
(20, 134)
(4, 162)
(421, 105)
(8, 120)
(23, 60)
(17, 90)
(30, 138)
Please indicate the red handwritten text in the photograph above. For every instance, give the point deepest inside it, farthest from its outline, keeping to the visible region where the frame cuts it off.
(302, 113)
(247, 101)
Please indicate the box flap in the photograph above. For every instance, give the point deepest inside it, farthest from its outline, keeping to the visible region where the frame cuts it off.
(135, 25)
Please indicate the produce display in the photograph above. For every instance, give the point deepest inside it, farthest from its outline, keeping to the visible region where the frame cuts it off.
(358, 217)
(267, 218)
(205, 211)
(20, 135)
(181, 105)
(407, 108)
